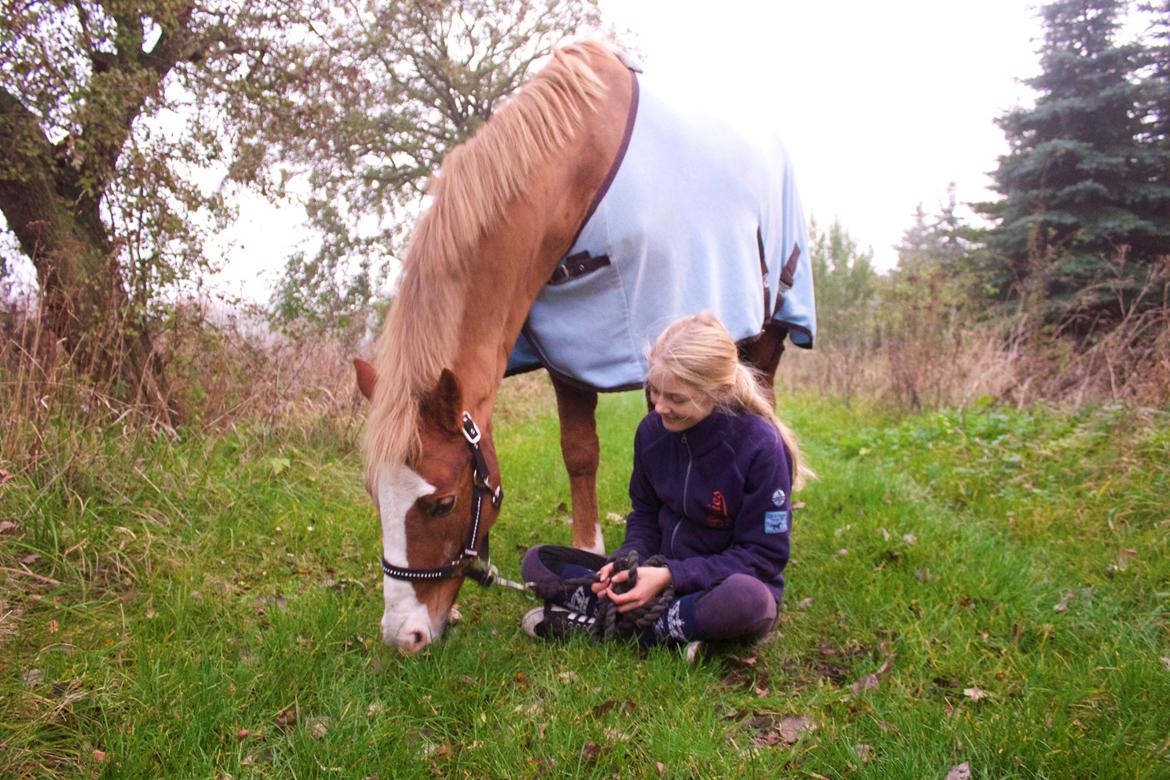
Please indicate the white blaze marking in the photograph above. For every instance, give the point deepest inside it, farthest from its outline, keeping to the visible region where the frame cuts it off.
(398, 489)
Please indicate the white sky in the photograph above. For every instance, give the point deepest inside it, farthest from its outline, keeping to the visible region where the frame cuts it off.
(881, 105)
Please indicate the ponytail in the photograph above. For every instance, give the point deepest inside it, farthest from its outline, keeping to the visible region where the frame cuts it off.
(747, 393)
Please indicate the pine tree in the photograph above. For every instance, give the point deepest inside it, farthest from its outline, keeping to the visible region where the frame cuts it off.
(1082, 214)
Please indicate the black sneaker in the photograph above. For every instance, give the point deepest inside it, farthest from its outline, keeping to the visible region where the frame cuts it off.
(559, 623)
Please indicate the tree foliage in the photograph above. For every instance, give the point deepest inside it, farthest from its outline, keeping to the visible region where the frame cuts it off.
(110, 114)
(1085, 211)
(846, 285)
(387, 89)
(126, 125)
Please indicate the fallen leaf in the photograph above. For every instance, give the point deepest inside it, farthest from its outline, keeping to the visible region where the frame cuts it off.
(805, 603)
(742, 661)
(661, 767)
(798, 505)
(99, 755)
(30, 559)
(242, 734)
(867, 683)
(792, 729)
(841, 553)
(317, 726)
(33, 676)
(909, 538)
(54, 626)
(5, 475)
(975, 693)
(885, 534)
(960, 772)
(150, 613)
(248, 760)
(8, 527)
(287, 716)
(1064, 602)
(923, 575)
(870, 682)
(864, 753)
(590, 751)
(1166, 662)
(614, 517)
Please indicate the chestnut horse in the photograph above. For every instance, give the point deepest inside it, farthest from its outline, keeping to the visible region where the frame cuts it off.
(505, 208)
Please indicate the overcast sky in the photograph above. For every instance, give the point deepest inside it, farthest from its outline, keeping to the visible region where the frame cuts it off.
(881, 105)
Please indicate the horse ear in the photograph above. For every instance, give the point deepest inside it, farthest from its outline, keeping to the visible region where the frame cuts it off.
(367, 377)
(444, 404)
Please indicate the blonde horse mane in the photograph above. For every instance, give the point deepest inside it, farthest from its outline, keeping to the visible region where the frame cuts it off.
(475, 183)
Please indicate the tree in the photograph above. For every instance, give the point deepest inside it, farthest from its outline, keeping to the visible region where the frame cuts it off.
(412, 80)
(125, 127)
(1083, 213)
(846, 286)
(109, 111)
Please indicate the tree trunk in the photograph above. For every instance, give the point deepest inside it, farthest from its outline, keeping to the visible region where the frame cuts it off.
(83, 299)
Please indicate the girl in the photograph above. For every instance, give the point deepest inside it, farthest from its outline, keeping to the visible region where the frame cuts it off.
(713, 472)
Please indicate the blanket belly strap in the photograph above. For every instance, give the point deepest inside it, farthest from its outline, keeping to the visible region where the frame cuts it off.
(577, 265)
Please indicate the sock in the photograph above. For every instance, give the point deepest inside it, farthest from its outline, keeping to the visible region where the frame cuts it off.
(675, 624)
(582, 598)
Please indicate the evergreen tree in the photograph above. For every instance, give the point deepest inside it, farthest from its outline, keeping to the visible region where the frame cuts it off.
(1083, 214)
(846, 285)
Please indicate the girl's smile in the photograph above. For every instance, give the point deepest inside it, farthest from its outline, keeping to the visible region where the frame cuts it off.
(680, 407)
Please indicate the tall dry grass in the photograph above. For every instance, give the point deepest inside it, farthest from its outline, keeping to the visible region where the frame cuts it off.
(953, 366)
(224, 368)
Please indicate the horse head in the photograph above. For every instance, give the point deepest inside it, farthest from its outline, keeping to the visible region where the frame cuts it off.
(435, 509)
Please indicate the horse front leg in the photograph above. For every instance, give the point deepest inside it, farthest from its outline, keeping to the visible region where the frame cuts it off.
(580, 449)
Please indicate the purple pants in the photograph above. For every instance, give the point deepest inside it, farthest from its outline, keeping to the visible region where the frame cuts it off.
(738, 607)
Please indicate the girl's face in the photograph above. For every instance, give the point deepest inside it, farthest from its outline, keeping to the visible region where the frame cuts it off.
(680, 406)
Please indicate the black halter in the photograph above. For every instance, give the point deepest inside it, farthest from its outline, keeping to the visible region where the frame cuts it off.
(481, 486)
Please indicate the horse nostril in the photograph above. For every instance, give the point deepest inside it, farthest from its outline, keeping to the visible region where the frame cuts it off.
(416, 639)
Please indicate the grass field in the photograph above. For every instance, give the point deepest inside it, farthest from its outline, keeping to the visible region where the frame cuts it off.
(989, 588)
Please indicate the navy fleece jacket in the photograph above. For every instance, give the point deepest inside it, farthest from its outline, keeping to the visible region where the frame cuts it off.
(714, 500)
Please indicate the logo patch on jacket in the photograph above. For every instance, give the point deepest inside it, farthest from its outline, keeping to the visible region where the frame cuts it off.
(776, 522)
(717, 516)
(778, 497)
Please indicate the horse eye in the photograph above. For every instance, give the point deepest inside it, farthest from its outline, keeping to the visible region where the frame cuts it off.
(443, 506)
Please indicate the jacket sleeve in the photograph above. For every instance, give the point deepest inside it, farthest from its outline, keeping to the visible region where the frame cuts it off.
(760, 534)
(643, 534)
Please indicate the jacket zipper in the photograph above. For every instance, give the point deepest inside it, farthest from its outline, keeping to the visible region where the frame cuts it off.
(686, 484)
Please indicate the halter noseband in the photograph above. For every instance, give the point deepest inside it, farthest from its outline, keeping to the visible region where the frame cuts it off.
(481, 486)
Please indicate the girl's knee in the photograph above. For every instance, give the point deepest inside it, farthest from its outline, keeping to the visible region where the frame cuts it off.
(532, 568)
(754, 596)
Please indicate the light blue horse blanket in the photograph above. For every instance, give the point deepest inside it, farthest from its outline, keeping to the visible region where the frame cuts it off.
(697, 215)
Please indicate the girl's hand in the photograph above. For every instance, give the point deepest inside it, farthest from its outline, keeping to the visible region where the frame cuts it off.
(652, 580)
(602, 583)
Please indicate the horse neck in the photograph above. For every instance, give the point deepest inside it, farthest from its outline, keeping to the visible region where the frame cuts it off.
(514, 261)
(510, 271)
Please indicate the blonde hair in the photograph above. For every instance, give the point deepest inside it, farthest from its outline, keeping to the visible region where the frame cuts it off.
(698, 352)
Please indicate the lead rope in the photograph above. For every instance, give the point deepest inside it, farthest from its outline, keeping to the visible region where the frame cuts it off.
(610, 623)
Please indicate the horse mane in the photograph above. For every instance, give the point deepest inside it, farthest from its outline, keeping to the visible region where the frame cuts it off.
(476, 181)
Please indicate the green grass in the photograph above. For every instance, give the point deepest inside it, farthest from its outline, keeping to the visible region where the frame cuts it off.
(208, 607)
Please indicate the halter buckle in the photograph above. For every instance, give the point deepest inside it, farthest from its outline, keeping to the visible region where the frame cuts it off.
(470, 432)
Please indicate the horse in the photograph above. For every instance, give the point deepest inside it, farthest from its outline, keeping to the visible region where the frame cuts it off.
(492, 249)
